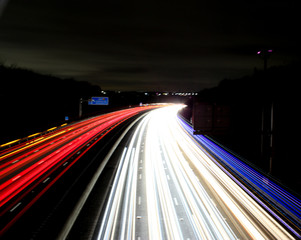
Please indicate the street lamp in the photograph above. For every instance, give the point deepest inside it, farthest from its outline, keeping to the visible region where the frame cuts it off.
(265, 54)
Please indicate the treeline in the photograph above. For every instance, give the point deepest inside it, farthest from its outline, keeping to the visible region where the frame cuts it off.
(257, 102)
(32, 102)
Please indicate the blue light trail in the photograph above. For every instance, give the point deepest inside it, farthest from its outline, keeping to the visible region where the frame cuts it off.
(281, 204)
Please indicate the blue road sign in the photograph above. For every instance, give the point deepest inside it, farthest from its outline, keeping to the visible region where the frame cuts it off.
(99, 101)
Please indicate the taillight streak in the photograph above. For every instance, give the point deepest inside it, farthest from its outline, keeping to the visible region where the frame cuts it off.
(24, 168)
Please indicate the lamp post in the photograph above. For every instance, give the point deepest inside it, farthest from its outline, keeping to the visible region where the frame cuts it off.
(268, 130)
(265, 54)
(80, 111)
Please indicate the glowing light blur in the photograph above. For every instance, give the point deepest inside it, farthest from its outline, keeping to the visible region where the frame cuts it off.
(25, 166)
(281, 204)
(187, 194)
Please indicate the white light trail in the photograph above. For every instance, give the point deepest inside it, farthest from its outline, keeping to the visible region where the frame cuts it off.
(119, 217)
(187, 195)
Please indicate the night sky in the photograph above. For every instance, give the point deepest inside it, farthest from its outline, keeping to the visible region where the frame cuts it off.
(147, 45)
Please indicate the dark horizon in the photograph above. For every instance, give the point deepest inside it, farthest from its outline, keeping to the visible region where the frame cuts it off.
(134, 46)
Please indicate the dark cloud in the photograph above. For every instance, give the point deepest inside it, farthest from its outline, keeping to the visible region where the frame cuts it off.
(139, 45)
(126, 70)
(2, 5)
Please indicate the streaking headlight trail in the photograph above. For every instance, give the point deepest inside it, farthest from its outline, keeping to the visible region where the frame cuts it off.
(168, 186)
(281, 204)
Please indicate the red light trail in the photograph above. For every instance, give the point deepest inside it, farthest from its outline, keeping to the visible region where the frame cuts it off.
(25, 166)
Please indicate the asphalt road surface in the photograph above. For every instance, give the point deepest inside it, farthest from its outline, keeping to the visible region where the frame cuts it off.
(156, 181)
(166, 187)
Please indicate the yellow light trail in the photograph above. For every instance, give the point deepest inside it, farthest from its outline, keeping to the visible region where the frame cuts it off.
(32, 135)
(35, 142)
(11, 142)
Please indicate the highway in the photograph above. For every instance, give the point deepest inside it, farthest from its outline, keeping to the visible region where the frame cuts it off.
(167, 187)
(29, 169)
(161, 182)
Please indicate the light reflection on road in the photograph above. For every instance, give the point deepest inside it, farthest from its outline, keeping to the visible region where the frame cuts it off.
(166, 187)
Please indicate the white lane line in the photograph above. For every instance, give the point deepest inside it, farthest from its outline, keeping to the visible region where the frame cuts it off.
(168, 178)
(17, 205)
(140, 176)
(139, 200)
(46, 180)
(176, 201)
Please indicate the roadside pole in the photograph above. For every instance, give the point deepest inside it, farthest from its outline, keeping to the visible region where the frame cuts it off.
(267, 112)
(80, 112)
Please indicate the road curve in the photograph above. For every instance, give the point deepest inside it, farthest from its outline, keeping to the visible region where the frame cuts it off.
(29, 169)
(167, 187)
